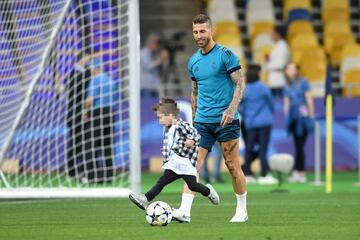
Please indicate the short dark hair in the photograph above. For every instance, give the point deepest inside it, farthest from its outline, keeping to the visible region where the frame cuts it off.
(252, 73)
(280, 29)
(167, 106)
(202, 18)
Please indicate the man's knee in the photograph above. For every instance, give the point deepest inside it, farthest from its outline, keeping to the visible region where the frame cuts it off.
(230, 165)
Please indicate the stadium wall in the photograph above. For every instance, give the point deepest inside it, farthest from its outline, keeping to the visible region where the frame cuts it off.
(345, 143)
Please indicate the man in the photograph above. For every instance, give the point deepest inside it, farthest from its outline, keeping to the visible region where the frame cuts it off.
(99, 113)
(152, 60)
(277, 60)
(75, 88)
(217, 88)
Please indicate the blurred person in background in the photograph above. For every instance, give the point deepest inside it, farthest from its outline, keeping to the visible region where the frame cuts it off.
(276, 62)
(98, 112)
(257, 110)
(153, 59)
(215, 174)
(299, 113)
(76, 85)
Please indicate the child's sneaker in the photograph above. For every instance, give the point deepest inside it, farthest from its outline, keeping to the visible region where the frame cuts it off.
(213, 196)
(139, 200)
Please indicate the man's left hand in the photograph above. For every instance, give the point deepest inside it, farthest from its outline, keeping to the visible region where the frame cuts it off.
(228, 117)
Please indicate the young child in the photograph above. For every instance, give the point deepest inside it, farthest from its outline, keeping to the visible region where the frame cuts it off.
(180, 150)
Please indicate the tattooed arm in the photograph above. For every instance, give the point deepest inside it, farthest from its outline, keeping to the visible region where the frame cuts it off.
(239, 80)
(194, 94)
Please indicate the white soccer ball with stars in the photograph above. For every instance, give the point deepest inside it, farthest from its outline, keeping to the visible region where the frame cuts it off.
(158, 214)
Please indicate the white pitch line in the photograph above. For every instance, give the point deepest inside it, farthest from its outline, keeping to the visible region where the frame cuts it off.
(15, 202)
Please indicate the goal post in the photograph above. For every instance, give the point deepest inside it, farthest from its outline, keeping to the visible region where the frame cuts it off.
(135, 149)
(69, 98)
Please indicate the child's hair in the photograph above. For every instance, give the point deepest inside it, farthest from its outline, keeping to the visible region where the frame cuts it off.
(167, 106)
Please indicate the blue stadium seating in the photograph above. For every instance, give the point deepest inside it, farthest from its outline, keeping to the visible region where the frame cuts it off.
(298, 14)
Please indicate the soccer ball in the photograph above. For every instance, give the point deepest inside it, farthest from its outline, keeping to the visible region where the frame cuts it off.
(158, 214)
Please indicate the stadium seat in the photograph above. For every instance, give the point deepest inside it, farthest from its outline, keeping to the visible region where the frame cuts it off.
(217, 15)
(217, 8)
(295, 4)
(350, 58)
(255, 29)
(335, 14)
(259, 4)
(259, 15)
(229, 40)
(349, 64)
(303, 40)
(334, 43)
(350, 50)
(298, 14)
(331, 4)
(337, 34)
(220, 4)
(351, 78)
(313, 52)
(314, 70)
(261, 40)
(299, 27)
(227, 27)
(337, 27)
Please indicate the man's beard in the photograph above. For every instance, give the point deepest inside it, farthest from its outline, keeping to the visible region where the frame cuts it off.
(204, 43)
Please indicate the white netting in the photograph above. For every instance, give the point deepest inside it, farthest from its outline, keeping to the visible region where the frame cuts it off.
(74, 131)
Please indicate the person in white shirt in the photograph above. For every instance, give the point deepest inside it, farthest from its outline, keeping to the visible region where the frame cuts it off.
(276, 62)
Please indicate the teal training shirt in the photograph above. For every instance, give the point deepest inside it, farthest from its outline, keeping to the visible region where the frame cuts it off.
(212, 72)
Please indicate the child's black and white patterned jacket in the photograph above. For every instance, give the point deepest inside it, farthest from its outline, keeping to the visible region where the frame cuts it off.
(185, 131)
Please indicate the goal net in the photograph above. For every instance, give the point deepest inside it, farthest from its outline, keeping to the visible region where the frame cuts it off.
(69, 125)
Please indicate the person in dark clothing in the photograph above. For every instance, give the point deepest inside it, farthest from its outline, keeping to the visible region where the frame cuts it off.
(299, 114)
(76, 93)
(98, 113)
(257, 109)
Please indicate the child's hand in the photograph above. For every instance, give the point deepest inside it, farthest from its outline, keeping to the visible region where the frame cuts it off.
(189, 142)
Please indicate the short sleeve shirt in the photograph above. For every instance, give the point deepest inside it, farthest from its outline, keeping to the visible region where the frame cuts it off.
(102, 89)
(212, 72)
(295, 91)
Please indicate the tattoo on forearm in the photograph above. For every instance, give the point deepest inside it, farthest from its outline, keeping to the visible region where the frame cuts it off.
(239, 81)
(194, 94)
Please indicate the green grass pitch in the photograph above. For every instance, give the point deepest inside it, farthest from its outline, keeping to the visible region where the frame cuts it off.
(305, 212)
